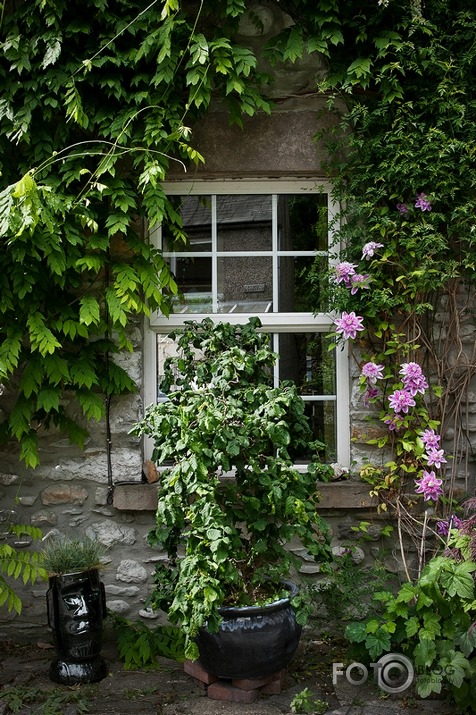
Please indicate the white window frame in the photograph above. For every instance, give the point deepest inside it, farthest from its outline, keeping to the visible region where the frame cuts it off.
(273, 322)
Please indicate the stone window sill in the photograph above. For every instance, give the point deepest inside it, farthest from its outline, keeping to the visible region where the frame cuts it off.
(335, 495)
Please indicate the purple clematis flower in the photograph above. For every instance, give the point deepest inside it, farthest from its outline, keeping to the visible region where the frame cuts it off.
(413, 379)
(369, 249)
(359, 281)
(372, 372)
(344, 272)
(422, 202)
(444, 527)
(403, 208)
(370, 394)
(349, 325)
(430, 439)
(401, 400)
(435, 457)
(429, 486)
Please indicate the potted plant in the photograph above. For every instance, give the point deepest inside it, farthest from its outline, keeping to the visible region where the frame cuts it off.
(76, 605)
(232, 499)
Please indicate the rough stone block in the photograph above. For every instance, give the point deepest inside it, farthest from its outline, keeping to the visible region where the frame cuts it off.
(135, 497)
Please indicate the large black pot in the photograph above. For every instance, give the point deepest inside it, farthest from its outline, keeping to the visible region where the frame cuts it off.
(253, 641)
(76, 607)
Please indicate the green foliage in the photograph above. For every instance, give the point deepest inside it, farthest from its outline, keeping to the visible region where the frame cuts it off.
(139, 646)
(46, 702)
(347, 591)
(69, 555)
(226, 418)
(305, 702)
(20, 565)
(92, 119)
(432, 622)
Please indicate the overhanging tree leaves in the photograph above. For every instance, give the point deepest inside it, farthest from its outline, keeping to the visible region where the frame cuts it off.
(96, 103)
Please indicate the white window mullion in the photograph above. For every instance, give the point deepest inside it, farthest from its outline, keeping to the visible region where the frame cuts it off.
(275, 345)
(214, 256)
(343, 411)
(275, 246)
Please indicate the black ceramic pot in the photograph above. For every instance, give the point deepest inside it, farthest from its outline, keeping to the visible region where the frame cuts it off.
(253, 641)
(76, 607)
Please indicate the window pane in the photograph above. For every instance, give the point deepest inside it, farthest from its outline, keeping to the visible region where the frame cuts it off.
(196, 214)
(244, 223)
(322, 417)
(194, 278)
(303, 222)
(305, 359)
(245, 285)
(303, 283)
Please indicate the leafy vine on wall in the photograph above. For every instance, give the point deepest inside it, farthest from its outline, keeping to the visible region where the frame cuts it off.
(97, 102)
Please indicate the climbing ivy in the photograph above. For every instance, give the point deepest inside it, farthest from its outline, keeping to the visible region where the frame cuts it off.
(98, 97)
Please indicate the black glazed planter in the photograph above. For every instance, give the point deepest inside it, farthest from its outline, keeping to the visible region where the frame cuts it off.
(76, 607)
(252, 641)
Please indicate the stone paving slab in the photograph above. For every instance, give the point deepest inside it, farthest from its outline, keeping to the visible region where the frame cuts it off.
(170, 691)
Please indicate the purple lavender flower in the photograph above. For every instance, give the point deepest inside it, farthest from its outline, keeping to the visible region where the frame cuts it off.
(403, 208)
(369, 249)
(372, 372)
(429, 486)
(344, 271)
(430, 439)
(349, 324)
(422, 202)
(435, 457)
(444, 527)
(401, 400)
(359, 281)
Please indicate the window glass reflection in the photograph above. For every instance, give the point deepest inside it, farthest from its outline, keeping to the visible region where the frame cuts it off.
(244, 223)
(245, 284)
(303, 222)
(196, 218)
